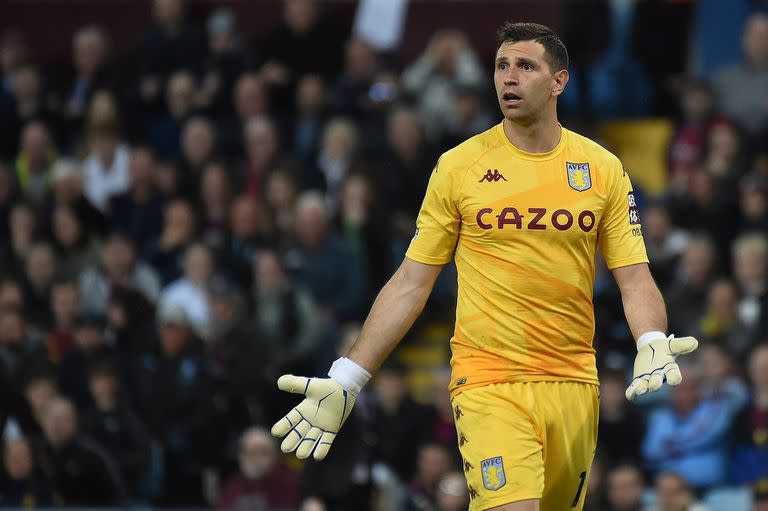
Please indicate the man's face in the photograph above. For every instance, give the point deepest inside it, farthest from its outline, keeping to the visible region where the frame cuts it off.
(624, 489)
(755, 39)
(672, 495)
(18, 459)
(524, 81)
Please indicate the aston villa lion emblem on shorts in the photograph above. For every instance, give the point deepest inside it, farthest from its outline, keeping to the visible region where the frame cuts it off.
(493, 473)
(578, 176)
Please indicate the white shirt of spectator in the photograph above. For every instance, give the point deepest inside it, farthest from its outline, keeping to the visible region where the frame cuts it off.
(102, 182)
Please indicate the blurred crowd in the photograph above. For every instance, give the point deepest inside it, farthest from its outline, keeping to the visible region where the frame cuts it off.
(178, 232)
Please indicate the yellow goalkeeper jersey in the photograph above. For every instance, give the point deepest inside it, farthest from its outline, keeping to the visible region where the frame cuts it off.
(524, 229)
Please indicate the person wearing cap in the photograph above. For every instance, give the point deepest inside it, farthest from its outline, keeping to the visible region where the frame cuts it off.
(226, 60)
(172, 389)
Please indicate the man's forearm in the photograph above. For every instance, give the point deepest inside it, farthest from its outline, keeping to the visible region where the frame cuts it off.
(393, 312)
(644, 307)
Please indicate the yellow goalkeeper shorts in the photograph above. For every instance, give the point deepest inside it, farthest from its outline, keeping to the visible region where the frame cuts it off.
(532, 440)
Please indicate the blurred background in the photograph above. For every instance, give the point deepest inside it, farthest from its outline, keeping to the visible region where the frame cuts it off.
(198, 196)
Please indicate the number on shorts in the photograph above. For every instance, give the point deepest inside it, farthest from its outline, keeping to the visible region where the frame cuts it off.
(582, 477)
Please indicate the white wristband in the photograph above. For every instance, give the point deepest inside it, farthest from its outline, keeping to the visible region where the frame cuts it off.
(349, 375)
(647, 337)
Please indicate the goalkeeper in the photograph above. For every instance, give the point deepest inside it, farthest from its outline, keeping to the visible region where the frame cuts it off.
(522, 208)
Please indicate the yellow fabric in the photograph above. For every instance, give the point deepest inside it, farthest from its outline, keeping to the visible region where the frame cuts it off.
(544, 433)
(524, 231)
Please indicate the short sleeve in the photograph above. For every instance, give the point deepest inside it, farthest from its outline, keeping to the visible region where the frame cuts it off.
(620, 235)
(437, 226)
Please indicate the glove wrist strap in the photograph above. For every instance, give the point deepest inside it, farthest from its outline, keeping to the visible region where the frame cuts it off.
(349, 375)
(645, 339)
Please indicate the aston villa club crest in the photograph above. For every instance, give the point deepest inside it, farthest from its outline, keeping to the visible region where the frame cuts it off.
(493, 473)
(579, 177)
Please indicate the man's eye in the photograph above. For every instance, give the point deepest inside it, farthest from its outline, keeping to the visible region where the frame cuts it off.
(502, 66)
(526, 67)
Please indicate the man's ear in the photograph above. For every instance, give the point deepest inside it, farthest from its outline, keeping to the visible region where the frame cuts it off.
(560, 79)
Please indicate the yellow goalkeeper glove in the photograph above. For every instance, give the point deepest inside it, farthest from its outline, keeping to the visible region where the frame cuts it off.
(314, 423)
(655, 362)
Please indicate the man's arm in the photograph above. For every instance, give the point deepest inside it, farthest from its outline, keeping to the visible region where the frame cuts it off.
(647, 319)
(643, 303)
(393, 312)
(313, 424)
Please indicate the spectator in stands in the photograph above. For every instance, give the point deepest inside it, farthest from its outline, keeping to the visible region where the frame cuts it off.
(686, 150)
(90, 350)
(750, 267)
(23, 226)
(261, 148)
(166, 129)
(401, 427)
(11, 295)
(740, 87)
(618, 420)
(264, 482)
(8, 197)
(40, 271)
(28, 102)
(664, 242)
(687, 294)
(688, 436)
(13, 53)
(179, 230)
(753, 202)
(625, 488)
(443, 426)
(363, 226)
(250, 99)
(24, 487)
(286, 317)
(280, 198)
(84, 474)
(674, 494)
(749, 462)
(170, 44)
(190, 292)
(40, 386)
(67, 189)
(447, 63)
(214, 194)
(471, 116)
(75, 247)
(452, 493)
(198, 145)
(433, 464)
(719, 376)
(90, 72)
(352, 92)
(118, 268)
(65, 304)
(248, 232)
(408, 162)
(226, 61)
(337, 158)
(106, 169)
(304, 128)
(594, 500)
(172, 389)
(36, 157)
(304, 42)
(721, 322)
(138, 212)
(325, 264)
(113, 423)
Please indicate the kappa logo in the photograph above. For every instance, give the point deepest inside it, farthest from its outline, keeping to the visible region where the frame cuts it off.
(492, 176)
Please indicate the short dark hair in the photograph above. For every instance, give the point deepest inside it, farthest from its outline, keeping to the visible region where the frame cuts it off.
(555, 52)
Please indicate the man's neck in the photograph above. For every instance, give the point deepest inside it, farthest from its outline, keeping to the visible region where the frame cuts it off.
(538, 137)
